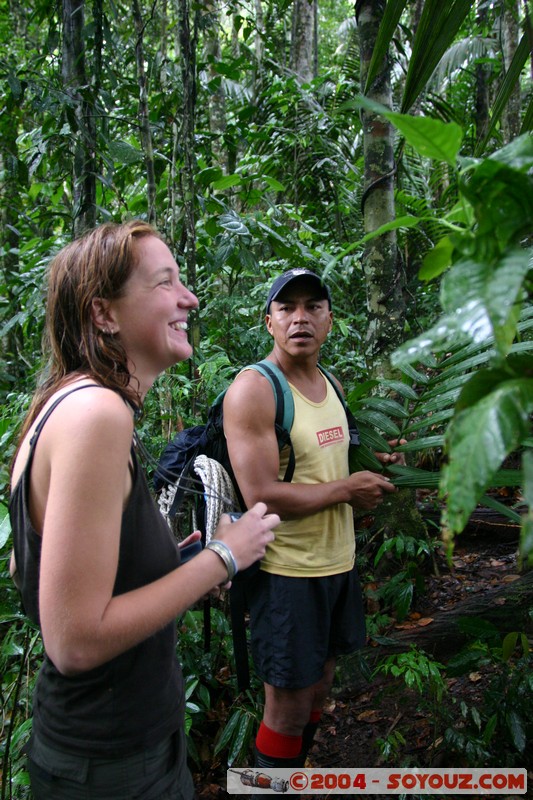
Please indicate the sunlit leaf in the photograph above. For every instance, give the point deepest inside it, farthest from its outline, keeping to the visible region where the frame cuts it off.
(437, 260)
(233, 223)
(429, 137)
(227, 182)
(5, 526)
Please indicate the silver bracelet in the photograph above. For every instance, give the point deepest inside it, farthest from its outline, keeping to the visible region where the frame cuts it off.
(223, 551)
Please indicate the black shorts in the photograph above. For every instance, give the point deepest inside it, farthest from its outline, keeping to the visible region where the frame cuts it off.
(297, 624)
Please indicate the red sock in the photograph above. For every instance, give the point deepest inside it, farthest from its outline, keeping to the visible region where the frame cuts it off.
(277, 745)
(315, 716)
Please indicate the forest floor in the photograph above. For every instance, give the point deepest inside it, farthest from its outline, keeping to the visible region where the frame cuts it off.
(356, 719)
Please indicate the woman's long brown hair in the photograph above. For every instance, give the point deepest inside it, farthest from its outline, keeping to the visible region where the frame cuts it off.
(97, 265)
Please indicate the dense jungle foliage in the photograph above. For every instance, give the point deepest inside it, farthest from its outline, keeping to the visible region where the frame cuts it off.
(386, 145)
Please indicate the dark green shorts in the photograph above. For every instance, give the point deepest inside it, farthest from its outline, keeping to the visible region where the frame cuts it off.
(297, 624)
(160, 773)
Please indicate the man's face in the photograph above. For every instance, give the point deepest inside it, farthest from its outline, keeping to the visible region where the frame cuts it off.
(299, 319)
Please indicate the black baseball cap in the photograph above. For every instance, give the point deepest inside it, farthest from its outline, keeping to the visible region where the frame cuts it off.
(291, 275)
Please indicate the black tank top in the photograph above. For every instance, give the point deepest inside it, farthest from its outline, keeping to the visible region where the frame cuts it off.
(136, 699)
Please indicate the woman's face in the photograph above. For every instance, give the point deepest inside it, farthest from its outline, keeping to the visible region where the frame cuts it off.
(151, 315)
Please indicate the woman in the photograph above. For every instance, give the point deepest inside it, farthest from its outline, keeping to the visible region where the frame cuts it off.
(97, 566)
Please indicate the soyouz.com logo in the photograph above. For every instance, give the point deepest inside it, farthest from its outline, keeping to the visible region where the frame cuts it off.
(492, 781)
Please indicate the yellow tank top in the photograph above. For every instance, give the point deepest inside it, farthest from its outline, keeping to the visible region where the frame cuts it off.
(323, 543)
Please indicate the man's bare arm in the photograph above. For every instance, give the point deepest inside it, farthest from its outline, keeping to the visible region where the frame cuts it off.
(249, 415)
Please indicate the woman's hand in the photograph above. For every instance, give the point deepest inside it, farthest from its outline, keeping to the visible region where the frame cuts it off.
(195, 536)
(248, 536)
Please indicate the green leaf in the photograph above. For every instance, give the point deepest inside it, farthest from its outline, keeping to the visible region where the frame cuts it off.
(509, 644)
(478, 439)
(413, 477)
(232, 223)
(228, 732)
(511, 79)
(515, 725)
(242, 737)
(387, 27)
(486, 297)
(5, 526)
(402, 602)
(481, 384)
(362, 457)
(436, 31)
(273, 183)
(430, 421)
(387, 406)
(208, 175)
(421, 443)
(400, 388)
(380, 421)
(502, 199)
(483, 302)
(125, 153)
(526, 532)
(227, 182)
(489, 502)
(437, 260)
(372, 439)
(430, 137)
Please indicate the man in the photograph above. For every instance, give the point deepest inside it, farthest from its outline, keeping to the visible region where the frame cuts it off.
(305, 605)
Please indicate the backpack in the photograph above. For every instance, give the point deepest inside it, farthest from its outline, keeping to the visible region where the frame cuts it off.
(184, 470)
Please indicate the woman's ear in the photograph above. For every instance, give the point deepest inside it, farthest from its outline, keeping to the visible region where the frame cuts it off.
(102, 316)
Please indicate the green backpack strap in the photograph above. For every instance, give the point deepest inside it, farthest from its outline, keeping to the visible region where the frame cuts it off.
(282, 392)
(284, 408)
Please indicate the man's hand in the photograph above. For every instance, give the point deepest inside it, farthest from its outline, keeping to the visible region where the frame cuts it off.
(392, 458)
(368, 489)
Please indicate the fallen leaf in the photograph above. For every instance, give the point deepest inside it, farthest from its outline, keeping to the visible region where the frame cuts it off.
(369, 716)
(475, 677)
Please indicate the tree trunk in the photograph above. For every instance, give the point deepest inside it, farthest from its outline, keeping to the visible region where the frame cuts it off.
(217, 98)
(259, 37)
(82, 122)
(185, 142)
(144, 121)
(381, 259)
(384, 279)
(510, 37)
(303, 59)
(482, 83)
(186, 138)
(14, 178)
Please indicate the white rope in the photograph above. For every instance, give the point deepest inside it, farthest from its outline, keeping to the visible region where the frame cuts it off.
(166, 498)
(220, 494)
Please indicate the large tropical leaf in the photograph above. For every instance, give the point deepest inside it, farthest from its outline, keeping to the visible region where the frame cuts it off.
(512, 77)
(477, 442)
(430, 137)
(482, 302)
(387, 28)
(436, 31)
